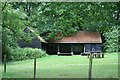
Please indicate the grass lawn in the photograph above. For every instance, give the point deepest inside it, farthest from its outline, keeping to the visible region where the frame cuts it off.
(64, 67)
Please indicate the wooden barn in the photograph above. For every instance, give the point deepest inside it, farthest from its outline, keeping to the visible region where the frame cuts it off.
(79, 43)
(36, 41)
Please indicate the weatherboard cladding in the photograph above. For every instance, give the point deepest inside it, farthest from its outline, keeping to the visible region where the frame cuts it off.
(81, 37)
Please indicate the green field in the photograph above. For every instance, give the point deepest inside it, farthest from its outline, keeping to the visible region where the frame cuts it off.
(64, 67)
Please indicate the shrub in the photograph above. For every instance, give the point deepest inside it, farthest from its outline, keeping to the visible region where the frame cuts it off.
(6, 50)
(111, 44)
(26, 53)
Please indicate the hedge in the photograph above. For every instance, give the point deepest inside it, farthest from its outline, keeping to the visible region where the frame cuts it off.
(19, 54)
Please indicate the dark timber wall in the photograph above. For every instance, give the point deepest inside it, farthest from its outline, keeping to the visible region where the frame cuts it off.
(93, 47)
(35, 43)
(52, 48)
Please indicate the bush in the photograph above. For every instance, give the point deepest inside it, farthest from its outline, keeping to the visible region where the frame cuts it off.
(111, 44)
(6, 50)
(26, 53)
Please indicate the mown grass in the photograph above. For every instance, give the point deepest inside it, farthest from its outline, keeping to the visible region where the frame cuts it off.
(64, 67)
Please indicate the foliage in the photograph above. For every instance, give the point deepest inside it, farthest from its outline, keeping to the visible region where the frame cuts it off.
(65, 18)
(68, 18)
(6, 50)
(13, 23)
(0, 37)
(19, 54)
(111, 44)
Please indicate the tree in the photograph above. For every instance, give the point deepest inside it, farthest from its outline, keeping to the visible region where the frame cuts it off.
(65, 18)
(111, 44)
(69, 18)
(15, 20)
(13, 24)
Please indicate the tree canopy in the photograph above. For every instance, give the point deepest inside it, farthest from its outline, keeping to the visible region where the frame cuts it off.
(66, 18)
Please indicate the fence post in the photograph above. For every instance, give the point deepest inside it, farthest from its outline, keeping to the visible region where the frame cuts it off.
(90, 67)
(5, 63)
(34, 67)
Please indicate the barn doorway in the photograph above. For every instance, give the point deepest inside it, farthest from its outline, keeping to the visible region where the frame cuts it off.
(78, 49)
(51, 49)
(65, 48)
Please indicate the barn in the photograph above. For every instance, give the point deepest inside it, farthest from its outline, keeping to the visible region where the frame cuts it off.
(35, 42)
(80, 43)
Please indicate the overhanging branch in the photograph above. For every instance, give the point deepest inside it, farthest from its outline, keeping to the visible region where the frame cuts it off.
(4, 6)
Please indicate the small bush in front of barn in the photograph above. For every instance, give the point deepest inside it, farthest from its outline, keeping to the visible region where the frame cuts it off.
(19, 54)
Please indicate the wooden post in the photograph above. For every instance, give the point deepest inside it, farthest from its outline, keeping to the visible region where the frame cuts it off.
(90, 67)
(84, 49)
(72, 49)
(34, 67)
(5, 63)
(58, 50)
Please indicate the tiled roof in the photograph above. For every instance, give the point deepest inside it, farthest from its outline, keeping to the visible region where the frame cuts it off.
(81, 37)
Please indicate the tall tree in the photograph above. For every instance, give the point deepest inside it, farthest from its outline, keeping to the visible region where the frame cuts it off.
(13, 24)
(66, 18)
(69, 18)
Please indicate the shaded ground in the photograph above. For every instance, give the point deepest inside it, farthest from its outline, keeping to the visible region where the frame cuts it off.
(64, 67)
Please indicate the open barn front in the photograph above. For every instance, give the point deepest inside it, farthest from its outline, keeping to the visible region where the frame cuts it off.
(78, 49)
(63, 48)
(50, 48)
(71, 48)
